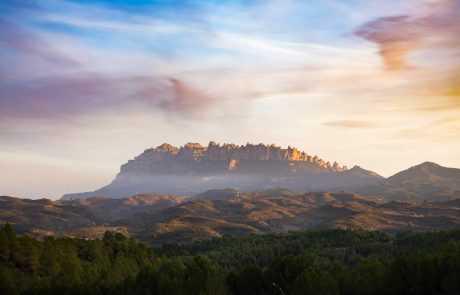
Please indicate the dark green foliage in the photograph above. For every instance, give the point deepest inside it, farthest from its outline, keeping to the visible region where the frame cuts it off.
(316, 262)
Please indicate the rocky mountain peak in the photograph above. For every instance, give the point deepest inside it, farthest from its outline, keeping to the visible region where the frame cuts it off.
(166, 147)
(232, 152)
(193, 168)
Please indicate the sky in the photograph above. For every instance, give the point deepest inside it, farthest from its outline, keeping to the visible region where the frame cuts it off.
(87, 85)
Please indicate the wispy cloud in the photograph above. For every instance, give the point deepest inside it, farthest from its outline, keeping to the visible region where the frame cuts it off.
(86, 93)
(351, 124)
(21, 41)
(444, 130)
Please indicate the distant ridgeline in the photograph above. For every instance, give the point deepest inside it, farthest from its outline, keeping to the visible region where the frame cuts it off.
(195, 158)
(193, 168)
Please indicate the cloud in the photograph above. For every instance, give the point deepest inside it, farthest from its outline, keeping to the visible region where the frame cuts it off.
(398, 36)
(395, 36)
(81, 76)
(83, 93)
(43, 78)
(138, 25)
(22, 41)
(441, 130)
(62, 71)
(55, 96)
(185, 98)
(351, 124)
(174, 95)
(422, 50)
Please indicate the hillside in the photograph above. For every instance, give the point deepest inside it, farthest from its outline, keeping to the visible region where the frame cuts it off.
(255, 213)
(159, 219)
(83, 218)
(425, 182)
(44, 217)
(428, 180)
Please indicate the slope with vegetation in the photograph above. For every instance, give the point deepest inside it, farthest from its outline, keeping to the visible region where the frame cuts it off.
(312, 262)
(159, 219)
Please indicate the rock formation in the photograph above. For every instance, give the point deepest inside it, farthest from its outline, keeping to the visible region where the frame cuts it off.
(195, 158)
(193, 168)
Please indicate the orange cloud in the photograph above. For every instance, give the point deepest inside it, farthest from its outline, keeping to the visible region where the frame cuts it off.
(350, 124)
(454, 89)
(428, 43)
(395, 36)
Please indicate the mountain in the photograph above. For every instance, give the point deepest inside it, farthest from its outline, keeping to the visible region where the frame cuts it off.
(425, 182)
(428, 179)
(217, 194)
(89, 217)
(44, 217)
(193, 168)
(159, 219)
(114, 210)
(259, 213)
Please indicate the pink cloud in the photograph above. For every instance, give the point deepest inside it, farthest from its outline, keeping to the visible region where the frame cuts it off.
(57, 97)
(395, 36)
(398, 36)
(22, 41)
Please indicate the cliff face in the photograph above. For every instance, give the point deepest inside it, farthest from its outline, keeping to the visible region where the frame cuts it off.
(193, 168)
(195, 158)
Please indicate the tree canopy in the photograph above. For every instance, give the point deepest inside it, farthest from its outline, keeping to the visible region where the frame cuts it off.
(312, 262)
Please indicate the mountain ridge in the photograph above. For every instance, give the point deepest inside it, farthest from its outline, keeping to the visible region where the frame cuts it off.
(426, 181)
(193, 168)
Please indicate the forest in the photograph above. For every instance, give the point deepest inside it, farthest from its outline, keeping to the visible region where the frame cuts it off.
(311, 262)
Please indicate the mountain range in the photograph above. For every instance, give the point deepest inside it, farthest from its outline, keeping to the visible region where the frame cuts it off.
(159, 219)
(193, 168)
(169, 194)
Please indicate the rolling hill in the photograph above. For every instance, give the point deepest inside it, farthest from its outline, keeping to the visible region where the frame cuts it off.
(159, 219)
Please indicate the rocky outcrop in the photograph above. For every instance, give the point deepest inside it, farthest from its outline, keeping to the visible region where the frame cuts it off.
(193, 168)
(195, 158)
